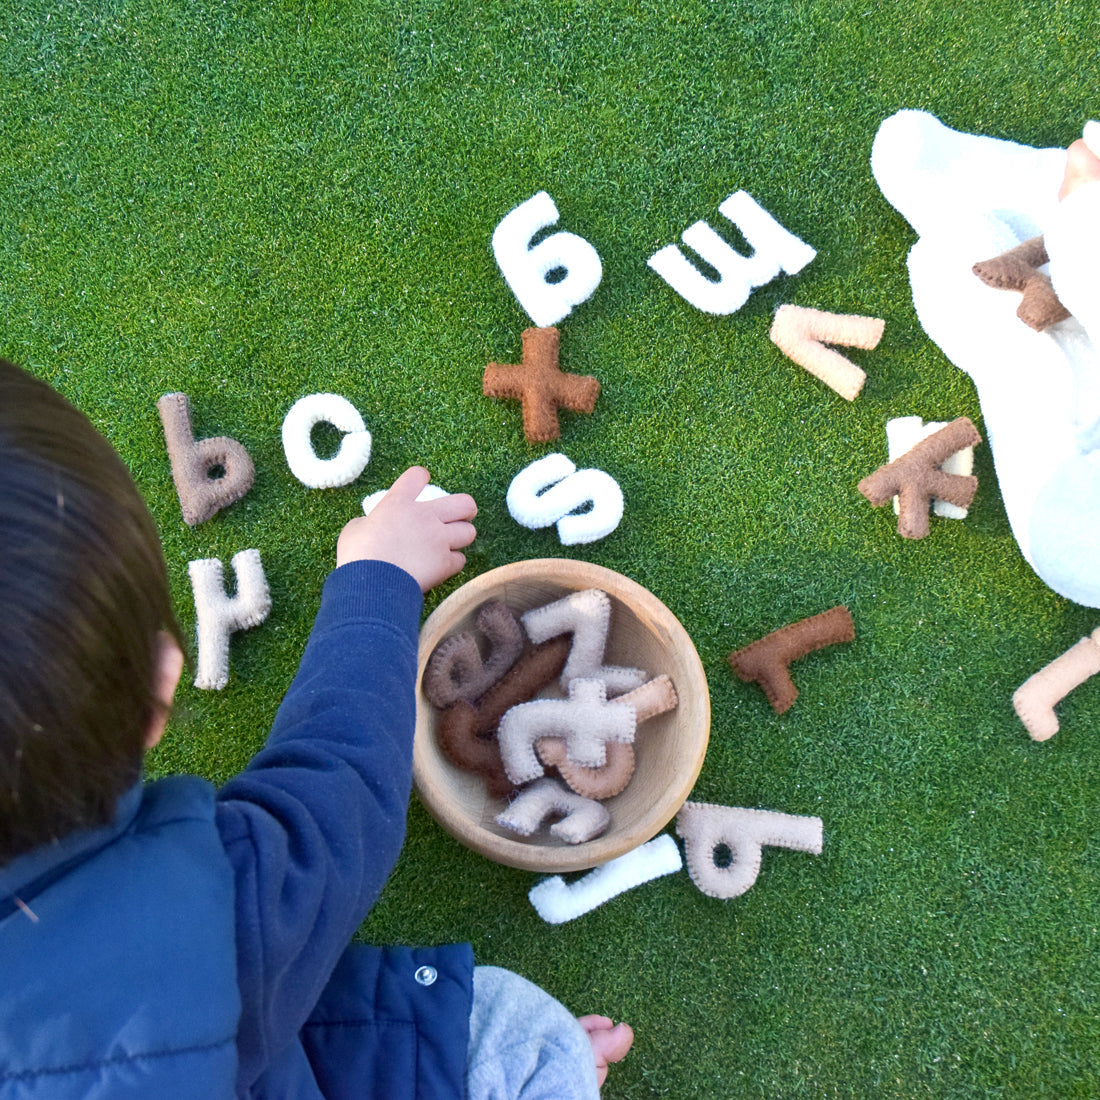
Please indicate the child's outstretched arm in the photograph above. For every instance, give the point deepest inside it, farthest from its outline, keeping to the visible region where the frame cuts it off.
(314, 824)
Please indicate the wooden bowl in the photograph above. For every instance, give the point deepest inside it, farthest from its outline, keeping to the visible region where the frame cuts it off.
(669, 748)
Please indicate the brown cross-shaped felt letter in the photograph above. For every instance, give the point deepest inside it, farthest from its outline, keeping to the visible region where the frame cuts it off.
(916, 479)
(540, 384)
(1018, 269)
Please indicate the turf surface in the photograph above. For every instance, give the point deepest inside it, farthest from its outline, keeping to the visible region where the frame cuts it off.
(252, 201)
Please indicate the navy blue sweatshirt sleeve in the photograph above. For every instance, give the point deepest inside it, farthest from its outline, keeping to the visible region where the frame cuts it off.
(314, 824)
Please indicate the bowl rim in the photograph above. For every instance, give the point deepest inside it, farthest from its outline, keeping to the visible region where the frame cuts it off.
(569, 573)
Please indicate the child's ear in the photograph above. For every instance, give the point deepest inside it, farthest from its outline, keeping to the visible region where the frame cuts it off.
(169, 668)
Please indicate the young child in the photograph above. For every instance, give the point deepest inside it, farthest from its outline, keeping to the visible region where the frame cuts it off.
(970, 198)
(169, 940)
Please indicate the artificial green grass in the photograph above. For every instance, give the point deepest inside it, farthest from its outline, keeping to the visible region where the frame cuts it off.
(250, 202)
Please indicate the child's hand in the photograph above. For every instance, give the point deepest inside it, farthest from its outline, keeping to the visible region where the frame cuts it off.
(421, 537)
(1082, 166)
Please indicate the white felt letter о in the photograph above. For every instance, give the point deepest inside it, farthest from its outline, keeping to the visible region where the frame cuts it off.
(776, 250)
(348, 462)
(552, 489)
(527, 269)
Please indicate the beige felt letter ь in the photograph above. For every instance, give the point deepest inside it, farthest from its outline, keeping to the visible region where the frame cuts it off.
(218, 614)
(195, 463)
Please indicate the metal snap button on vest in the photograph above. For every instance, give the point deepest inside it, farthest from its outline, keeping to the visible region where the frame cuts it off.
(426, 975)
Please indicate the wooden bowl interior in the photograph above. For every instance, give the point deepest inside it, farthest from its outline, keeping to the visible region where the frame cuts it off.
(669, 749)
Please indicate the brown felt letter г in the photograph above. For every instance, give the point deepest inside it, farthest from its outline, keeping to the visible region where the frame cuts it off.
(916, 479)
(766, 660)
(541, 385)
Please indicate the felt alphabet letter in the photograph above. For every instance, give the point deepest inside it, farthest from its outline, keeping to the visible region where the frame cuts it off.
(457, 670)
(1034, 699)
(1018, 269)
(917, 478)
(707, 829)
(551, 490)
(903, 433)
(653, 698)
(586, 720)
(541, 385)
(348, 462)
(776, 250)
(195, 460)
(467, 733)
(584, 818)
(767, 659)
(526, 269)
(801, 334)
(557, 903)
(587, 616)
(218, 615)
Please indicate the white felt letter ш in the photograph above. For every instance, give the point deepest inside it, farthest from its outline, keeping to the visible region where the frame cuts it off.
(552, 488)
(526, 270)
(218, 615)
(775, 250)
(348, 462)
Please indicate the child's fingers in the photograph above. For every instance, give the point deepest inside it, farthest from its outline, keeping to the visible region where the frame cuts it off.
(455, 506)
(460, 534)
(409, 485)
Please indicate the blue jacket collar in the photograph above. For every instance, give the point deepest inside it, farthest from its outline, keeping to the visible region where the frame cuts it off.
(32, 872)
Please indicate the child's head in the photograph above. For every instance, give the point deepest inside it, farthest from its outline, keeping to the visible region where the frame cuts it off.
(84, 602)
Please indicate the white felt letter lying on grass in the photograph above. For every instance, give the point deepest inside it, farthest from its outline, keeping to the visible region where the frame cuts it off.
(775, 250)
(552, 490)
(527, 269)
(557, 903)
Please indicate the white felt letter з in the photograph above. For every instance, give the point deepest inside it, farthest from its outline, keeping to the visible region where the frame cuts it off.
(218, 614)
(776, 250)
(527, 269)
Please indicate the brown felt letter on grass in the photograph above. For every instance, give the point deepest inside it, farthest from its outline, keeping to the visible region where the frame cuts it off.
(916, 479)
(195, 462)
(541, 385)
(766, 660)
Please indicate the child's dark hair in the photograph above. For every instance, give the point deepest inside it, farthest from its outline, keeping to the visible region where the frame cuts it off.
(83, 598)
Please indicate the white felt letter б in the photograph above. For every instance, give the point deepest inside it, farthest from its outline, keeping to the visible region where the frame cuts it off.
(526, 270)
(775, 250)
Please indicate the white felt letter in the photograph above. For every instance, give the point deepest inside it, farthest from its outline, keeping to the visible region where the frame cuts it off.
(551, 490)
(429, 492)
(556, 902)
(218, 615)
(775, 250)
(348, 462)
(527, 269)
